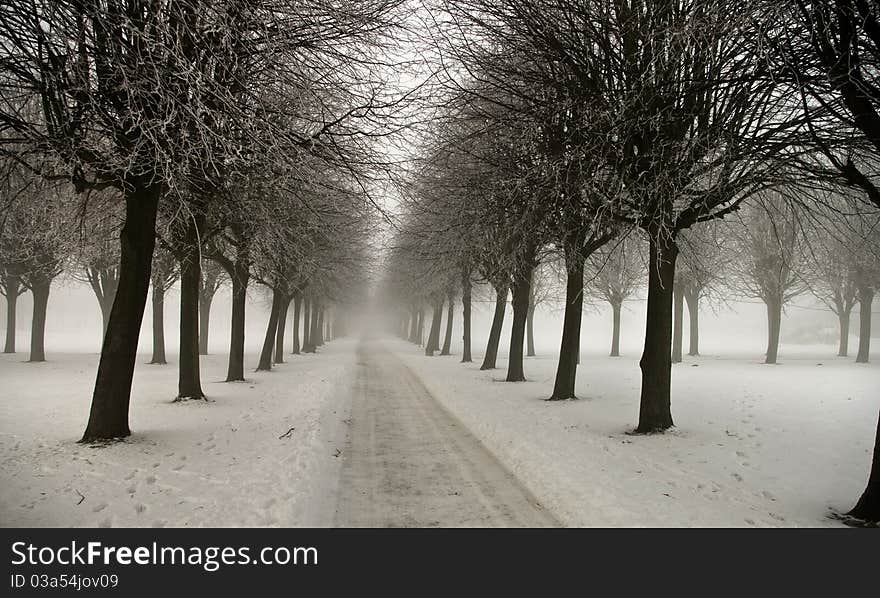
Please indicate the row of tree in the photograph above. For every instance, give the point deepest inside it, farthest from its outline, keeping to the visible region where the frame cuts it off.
(569, 125)
(765, 254)
(235, 131)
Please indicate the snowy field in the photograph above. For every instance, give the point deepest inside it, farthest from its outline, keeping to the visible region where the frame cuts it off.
(754, 445)
(229, 462)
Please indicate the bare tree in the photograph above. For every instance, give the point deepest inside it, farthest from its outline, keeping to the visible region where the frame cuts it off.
(98, 253)
(212, 280)
(614, 275)
(164, 274)
(827, 54)
(770, 242)
(700, 269)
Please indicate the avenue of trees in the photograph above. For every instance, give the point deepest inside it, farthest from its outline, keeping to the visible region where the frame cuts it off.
(695, 149)
(191, 142)
(685, 149)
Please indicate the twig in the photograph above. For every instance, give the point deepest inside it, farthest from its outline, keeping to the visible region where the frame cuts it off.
(81, 497)
(286, 434)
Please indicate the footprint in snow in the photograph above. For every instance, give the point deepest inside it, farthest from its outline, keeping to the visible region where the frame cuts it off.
(151, 479)
(99, 507)
(140, 508)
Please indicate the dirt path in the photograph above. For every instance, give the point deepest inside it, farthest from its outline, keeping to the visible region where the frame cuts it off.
(409, 463)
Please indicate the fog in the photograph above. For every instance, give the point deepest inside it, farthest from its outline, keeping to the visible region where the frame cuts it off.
(735, 328)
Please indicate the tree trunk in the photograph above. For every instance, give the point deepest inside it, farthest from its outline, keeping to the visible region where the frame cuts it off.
(103, 282)
(521, 286)
(189, 384)
(269, 340)
(866, 297)
(280, 329)
(447, 339)
(569, 349)
(843, 319)
(615, 329)
(13, 288)
(656, 363)
(677, 323)
(240, 277)
(868, 507)
(495, 332)
(466, 317)
(774, 322)
(693, 305)
(205, 301)
(433, 343)
(319, 328)
(414, 326)
(106, 305)
(158, 325)
(421, 331)
(530, 331)
(307, 326)
(314, 331)
(40, 291)
(108, 415)
(297, 305)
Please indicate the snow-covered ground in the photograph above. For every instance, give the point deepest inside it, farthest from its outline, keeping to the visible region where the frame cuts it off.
(228, 462)
(754, 445)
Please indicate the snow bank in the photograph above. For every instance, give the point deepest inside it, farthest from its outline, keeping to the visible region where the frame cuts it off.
(186, 464)
(754, 445)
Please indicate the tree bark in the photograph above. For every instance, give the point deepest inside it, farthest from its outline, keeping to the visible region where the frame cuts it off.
(868, 507)
(655, 414)
(414, 326)
(843, 319)
(447, 339)
(189, 384)
(530, 331)
(40, 290)
(12, 290)
(103, 282)
(307, 326)
(315, 332)
(240, 276)
(866, 298)
(569, 349)
(269, 340)
(521, 287)
(678, 324)
(774, 323)
(106, 305)
(495, 331)
(158, 325)
(319, 328)
(108, 415)
(297, 307)
(693, 305)
(466, 317)
(615, 329)
(205, 300)
(280, 329)
(421, 326)
(433, 343)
